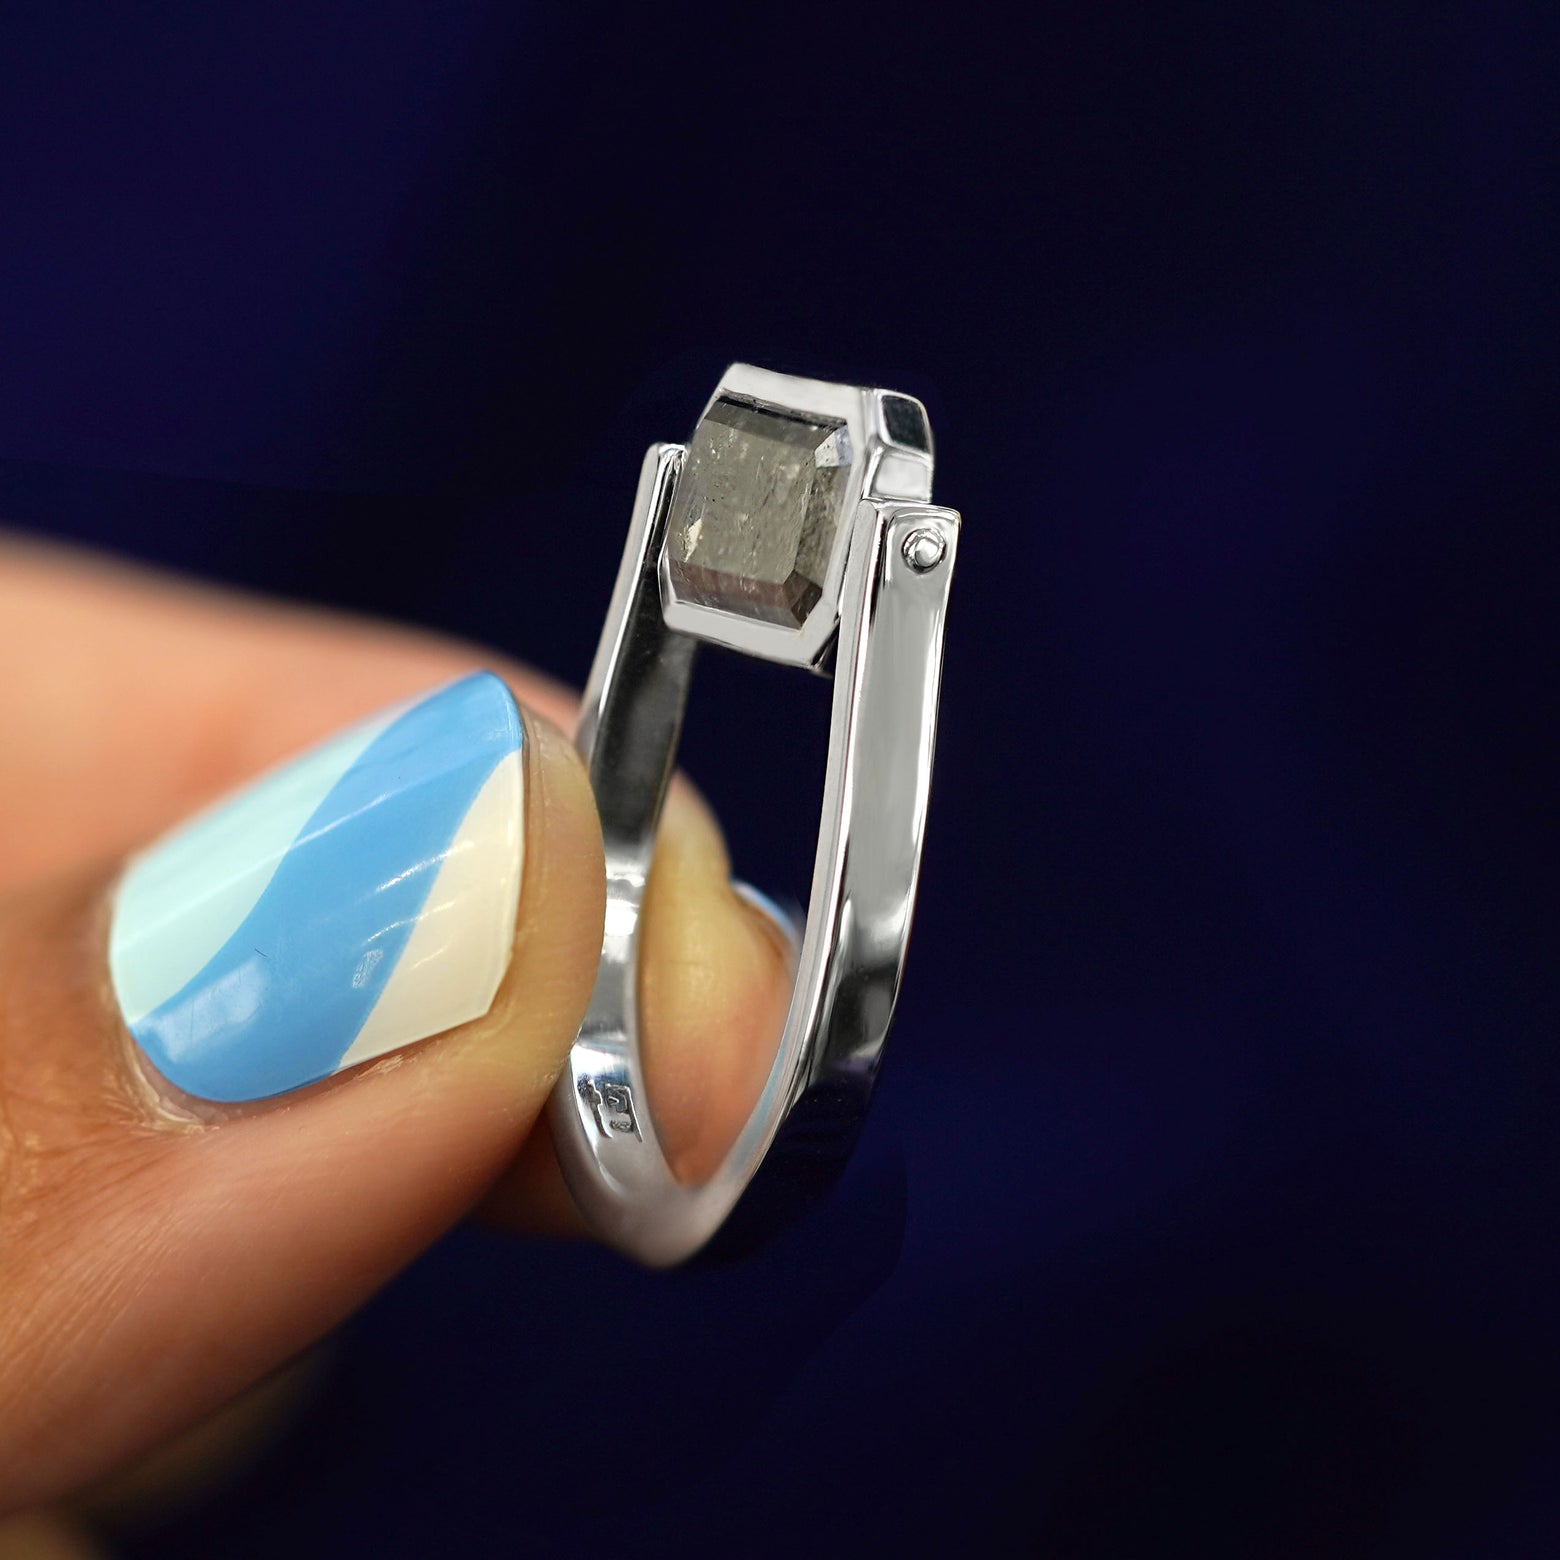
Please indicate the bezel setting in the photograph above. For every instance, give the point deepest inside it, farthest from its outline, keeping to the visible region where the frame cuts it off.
(889, 440)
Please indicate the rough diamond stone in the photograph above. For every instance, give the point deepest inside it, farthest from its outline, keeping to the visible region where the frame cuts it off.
(757, 510)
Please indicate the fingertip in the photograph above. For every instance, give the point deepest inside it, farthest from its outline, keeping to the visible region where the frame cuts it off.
(220, 1248)
(714, 986)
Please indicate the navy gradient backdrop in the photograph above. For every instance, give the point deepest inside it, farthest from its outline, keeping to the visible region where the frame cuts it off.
(1210, 1205)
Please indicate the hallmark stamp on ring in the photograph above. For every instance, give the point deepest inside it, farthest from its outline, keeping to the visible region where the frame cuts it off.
(612, 1104)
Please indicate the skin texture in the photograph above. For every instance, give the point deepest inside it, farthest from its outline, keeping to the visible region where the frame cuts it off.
(153, 1262)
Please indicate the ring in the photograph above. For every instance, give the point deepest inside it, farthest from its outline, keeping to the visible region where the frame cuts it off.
(796, 526)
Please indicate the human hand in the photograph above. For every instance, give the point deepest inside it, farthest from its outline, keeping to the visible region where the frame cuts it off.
(159, 1254)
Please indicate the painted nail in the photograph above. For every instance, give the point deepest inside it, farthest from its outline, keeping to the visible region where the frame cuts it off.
(357, 899)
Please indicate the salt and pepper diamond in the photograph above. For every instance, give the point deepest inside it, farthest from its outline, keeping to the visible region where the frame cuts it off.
(757, 510)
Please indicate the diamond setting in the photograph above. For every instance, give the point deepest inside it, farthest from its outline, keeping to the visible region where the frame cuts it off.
(758, 510)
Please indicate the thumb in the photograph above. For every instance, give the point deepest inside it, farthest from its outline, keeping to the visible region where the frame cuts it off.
(197, 1177)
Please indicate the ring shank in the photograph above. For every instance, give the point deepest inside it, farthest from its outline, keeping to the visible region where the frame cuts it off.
(887, 669)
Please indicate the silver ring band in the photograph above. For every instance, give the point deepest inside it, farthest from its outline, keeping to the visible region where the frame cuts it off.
(795, 526)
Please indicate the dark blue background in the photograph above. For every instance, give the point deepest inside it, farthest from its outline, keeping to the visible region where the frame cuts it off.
(1210, 1207)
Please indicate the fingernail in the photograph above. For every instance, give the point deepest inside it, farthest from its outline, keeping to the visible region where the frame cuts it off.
(355, 900)
(789, 920)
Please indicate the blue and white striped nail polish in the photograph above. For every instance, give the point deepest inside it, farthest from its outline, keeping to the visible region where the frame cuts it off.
(351, 902)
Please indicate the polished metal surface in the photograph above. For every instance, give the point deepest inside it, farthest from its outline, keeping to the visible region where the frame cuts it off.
(878, 626)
